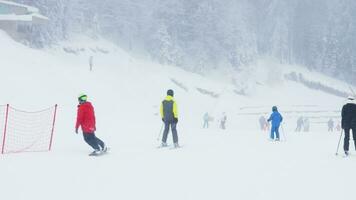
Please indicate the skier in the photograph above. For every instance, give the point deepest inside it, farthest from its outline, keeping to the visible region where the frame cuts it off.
(266, 126)
(276, 119)
(169, 115)
(206, 119)
(223, 121)
(348, 121)
(300, 123)
(91, 63)
(86, 120)
(306, 124)
(262, 121)
(338, 127)
(330, 125)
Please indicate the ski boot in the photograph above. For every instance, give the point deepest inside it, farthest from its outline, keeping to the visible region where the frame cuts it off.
(104, 149)
(163, 144)
(96, 152)
(176, 145)
(347, 153)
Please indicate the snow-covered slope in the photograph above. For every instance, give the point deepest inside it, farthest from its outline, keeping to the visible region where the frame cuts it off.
(238, 163)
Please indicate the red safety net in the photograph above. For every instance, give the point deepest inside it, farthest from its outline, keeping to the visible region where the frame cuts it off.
(24, 131)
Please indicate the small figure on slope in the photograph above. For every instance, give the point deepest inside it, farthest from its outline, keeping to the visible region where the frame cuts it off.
(206, 119)
(169, 115)
(300, 123)
(91, 63)
(338, 127)
(223, 121)
(276, 119)
(330, 125)
(262, 121)
(86, 120)
(306, 124)
(348, 121)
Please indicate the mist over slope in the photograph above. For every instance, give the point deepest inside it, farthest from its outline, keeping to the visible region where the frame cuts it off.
(201, 35)
(238, 162)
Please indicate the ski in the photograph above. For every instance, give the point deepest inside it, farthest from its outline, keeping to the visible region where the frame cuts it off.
(173, 148)
(163, 147)
(100, 153)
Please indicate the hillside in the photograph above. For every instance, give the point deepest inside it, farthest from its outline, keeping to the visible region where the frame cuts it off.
(236, 163)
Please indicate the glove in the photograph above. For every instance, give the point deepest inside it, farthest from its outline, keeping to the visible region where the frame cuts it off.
(162, 120)
(175, 120)
(76, 131)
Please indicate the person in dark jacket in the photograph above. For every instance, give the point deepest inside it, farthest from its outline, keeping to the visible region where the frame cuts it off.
(276, 119)
(169, 115)
(348, 122)
(86, 120)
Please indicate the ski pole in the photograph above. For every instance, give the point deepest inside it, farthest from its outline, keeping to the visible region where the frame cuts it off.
(338, 144)
(160, 132)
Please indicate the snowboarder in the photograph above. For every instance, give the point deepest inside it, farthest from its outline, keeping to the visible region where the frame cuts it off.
(169, 115)
(206, 119)
(348, 121)
(86, 120)
(263, 123)
(300, 123)
(276, 119)
(223, 121)
(330, 125)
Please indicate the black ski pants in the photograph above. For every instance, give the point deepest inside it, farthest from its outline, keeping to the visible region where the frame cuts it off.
(173, 125)
(93, 141)
(347, 138)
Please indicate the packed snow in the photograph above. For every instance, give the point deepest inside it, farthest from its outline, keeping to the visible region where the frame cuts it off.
(237, 163)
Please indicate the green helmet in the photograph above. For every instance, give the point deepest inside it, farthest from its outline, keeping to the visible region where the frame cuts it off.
(82, 97)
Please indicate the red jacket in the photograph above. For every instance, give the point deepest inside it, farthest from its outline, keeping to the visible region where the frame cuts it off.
(86, 118)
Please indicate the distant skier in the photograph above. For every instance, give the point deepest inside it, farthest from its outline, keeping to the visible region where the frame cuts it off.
(169, 114)
(91, 63)
(300, 123)
(86, 120)
(223, 121)
(263, 123)
(276, 119)
(306, 124)
(338, 127)
(330, 125)
(267, 126)
(348, 121)
(206, 119)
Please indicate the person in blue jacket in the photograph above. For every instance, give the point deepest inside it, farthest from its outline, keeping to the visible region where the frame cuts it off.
(276, 119)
